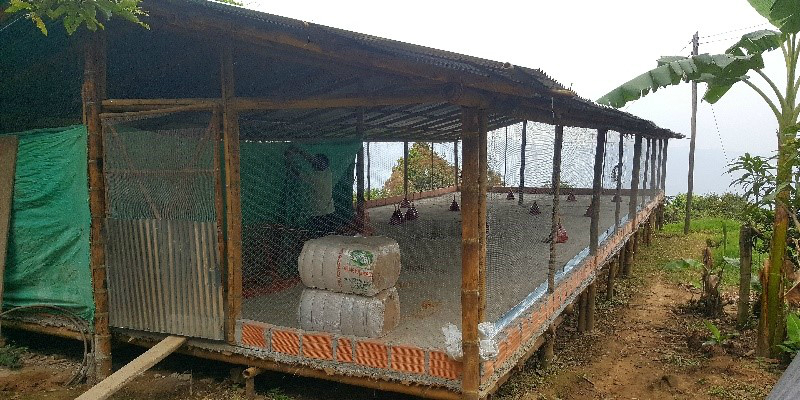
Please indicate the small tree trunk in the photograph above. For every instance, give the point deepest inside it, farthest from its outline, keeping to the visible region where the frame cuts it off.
(745, 273)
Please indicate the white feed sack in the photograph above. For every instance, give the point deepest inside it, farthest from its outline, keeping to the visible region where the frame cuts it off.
(346, 264)
(349, 314)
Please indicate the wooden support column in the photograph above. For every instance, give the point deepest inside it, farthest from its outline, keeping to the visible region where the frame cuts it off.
(92, 91)
(360, 201)
(483, 189)
(627, 266)
(643, 192)
(634, 196)
(551, 264)
(473, 232)
(582, 311)
(547, 351)
(657, 167)
(599, 156)
(455, 166)
(405, 170)
(612, 273)
(522, 161)
(664, 166)
(369, 171)
(620, 261)
(591, 298)
(230, 136)
(653, 166)
(618, 194)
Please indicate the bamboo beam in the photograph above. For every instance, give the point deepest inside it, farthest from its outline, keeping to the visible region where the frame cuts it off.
(230, 133)
(360, 208)
(522, 161)
(634, 197)
(618, 194)
(472, 233)
(599, 156)
(554, 220)
(424, 97)
(95, 58)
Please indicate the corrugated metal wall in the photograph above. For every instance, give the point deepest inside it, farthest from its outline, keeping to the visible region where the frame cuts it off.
(164, 276)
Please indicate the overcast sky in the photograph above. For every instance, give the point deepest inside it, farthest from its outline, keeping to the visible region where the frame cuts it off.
(592, 46)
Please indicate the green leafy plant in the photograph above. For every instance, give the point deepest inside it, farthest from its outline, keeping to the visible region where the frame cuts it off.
(11, 356)
(75, 13)
(792, 343)
(717, 337)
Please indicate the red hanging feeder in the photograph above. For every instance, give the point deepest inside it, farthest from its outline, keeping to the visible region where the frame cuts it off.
(534, 210)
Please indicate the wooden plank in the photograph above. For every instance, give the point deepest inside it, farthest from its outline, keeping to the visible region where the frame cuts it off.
(124, 375)
(8, 164)
(233, 251)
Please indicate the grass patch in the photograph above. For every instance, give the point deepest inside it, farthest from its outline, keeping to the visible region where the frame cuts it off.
(11, 356)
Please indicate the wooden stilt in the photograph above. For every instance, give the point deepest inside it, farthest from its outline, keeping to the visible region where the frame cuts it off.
(547, 351)
(230, 135)
(628, 259)
(612, 267)
(594, 226)
(591, 299)
(582, 312)
(522, 161)
(472, 234)
(637, 239)
(93, 89)
(621, 260)
(556, 182)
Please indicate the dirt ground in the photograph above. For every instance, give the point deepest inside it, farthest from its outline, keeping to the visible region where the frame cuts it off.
(646, 345)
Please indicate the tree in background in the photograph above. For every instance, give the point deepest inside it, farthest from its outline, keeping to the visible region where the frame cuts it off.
(720, 72)
(426, 171)
(76, 13)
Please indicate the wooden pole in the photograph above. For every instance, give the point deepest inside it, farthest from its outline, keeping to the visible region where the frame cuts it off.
(230, 134)
(405, 170)
(664, 167)
(551, 264)
(618, 194)
(582, 312)
(219, 197)
(612, 266)
(522, 161)
(620, 261)
(472, 233)
(643, 192)
(591, 298)
(548, 348)
(455, 166)
(690, 181)
(360, 201)
(8, 164)
(745, 272)
(627, 266)
(369, 179)
(92, 88)
(657, 166)
(637, 163)
(599, 156)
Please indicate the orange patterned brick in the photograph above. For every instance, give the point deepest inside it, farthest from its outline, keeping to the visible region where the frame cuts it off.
(286, 342)
(372, 354)
(442, 366)
(408, 359)
(318, 346)
(253, 335)
(344, 350)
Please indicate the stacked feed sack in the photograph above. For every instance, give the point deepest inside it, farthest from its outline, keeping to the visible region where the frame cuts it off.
(350, 285)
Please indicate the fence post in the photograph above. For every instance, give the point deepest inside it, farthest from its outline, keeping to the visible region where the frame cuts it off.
(551, 264)
(599, 155)
(522, 161)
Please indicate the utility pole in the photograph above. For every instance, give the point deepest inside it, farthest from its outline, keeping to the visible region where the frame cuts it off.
(690, 183)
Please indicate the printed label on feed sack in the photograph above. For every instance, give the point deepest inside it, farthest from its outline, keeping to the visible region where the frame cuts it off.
(357, 269)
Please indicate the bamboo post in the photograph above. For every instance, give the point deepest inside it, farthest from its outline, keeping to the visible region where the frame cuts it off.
(643, 192)
(230, 134)
(522, 161)
(92, 90)
(430, 177)
(472, 233)
(582, 311)
(551, 264)
(664, 166)
(627, 265)
(369, 179)
(745, 271)
(360, 202)
(618, 194)
(455, 166)
(547, 351)
(657, 166)
(219, 198)
(634, 196)
(599, 155)
(591, 298)
(405, 170)
(610, 278)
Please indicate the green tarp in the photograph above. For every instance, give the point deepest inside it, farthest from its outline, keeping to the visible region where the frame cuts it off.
(48, 249)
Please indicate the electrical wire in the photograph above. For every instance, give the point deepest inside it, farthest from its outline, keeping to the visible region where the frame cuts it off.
(732, 30)
(11, 23)
(82, 327)
(719, 135)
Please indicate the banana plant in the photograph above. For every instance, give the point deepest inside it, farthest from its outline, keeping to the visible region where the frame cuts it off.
(741, 63)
